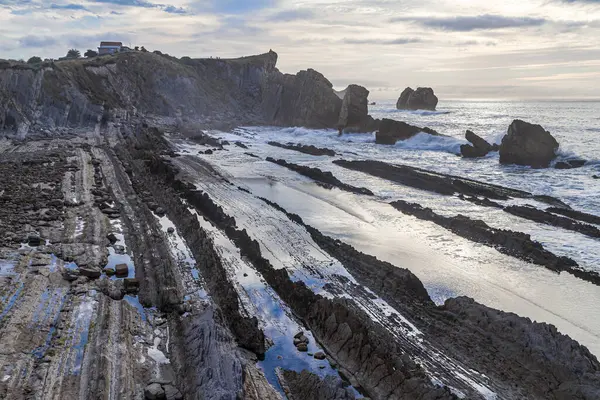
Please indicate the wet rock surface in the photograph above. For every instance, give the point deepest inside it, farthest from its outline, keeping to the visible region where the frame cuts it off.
(325, 178)
(528, 144)
(443, 183)
(310, 149)
(516, 244)
(548, 218)
(175, 327)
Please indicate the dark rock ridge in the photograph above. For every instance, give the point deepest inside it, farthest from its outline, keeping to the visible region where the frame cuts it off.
(362, 348)
(442, 183)
(532, 359)
(354, 116)
(302, 148)
(548, 218)
(326, 178)
(528, 144)
(516, 244)
(581, 216)
(390, 131)
(421, 99)
(479, 147)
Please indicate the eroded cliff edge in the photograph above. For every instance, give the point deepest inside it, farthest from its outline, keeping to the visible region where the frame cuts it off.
(211, 92)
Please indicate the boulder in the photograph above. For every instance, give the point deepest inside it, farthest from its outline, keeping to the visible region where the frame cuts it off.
(319, 355)
(132, 285)
(479, 147)
(121, 270)
(154, 392)
(527, 144)
(355, 109)
(421, 99)
(34, 240)
(391, 131)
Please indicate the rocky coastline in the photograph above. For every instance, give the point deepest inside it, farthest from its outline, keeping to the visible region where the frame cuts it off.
(130, 268)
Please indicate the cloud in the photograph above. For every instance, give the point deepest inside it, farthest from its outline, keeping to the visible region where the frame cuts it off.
(37, 41)
(292, 15)
(473, 23)
(143, 4)
(397, 41)
(74, 7)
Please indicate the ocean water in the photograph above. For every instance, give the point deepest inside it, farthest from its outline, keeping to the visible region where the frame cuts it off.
(447, 264)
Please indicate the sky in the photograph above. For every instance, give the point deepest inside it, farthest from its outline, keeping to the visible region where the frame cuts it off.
(463, 49)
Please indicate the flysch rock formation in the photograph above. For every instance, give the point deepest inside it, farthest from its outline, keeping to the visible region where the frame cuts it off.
(129, 270)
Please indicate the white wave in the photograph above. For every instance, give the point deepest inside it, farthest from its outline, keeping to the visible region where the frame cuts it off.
(425, 141)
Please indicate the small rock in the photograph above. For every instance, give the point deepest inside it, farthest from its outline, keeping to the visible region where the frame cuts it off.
(119, 249)
(320, 355)
(298, 335)
(121, 270)
(170, 230)
(112, 238)
(154, 392)
(595, 176)
(302, 347)
(90, 272)
(109, 271)
(34, 240)
(209, 151)
(160, 211)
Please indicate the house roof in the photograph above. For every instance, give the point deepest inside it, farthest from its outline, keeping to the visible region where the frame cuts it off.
(110, 44)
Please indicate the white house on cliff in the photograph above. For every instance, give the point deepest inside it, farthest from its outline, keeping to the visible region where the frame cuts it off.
(109, 48)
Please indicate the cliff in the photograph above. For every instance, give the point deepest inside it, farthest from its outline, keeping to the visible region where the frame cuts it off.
(214, 92)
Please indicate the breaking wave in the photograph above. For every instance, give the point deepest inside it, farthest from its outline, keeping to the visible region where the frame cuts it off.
(424, 141)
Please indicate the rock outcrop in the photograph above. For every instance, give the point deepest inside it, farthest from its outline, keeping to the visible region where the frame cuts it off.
(479, 147)
(528, 144)
(421, 99)
(354, 116)
(390, 131)
(219, 93)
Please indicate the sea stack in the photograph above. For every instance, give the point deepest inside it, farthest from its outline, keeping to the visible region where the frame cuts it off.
(421, 99)
(528, 144)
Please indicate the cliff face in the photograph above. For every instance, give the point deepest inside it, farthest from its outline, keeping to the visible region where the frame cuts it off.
(80, 93)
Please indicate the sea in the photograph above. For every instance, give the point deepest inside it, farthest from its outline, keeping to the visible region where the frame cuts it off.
(449, 266)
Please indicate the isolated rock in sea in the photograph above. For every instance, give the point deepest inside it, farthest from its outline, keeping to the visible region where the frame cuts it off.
(421, 99)
(479, 147)
(391, 131)
(402, 103)
(528, 144)
(354, 115)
